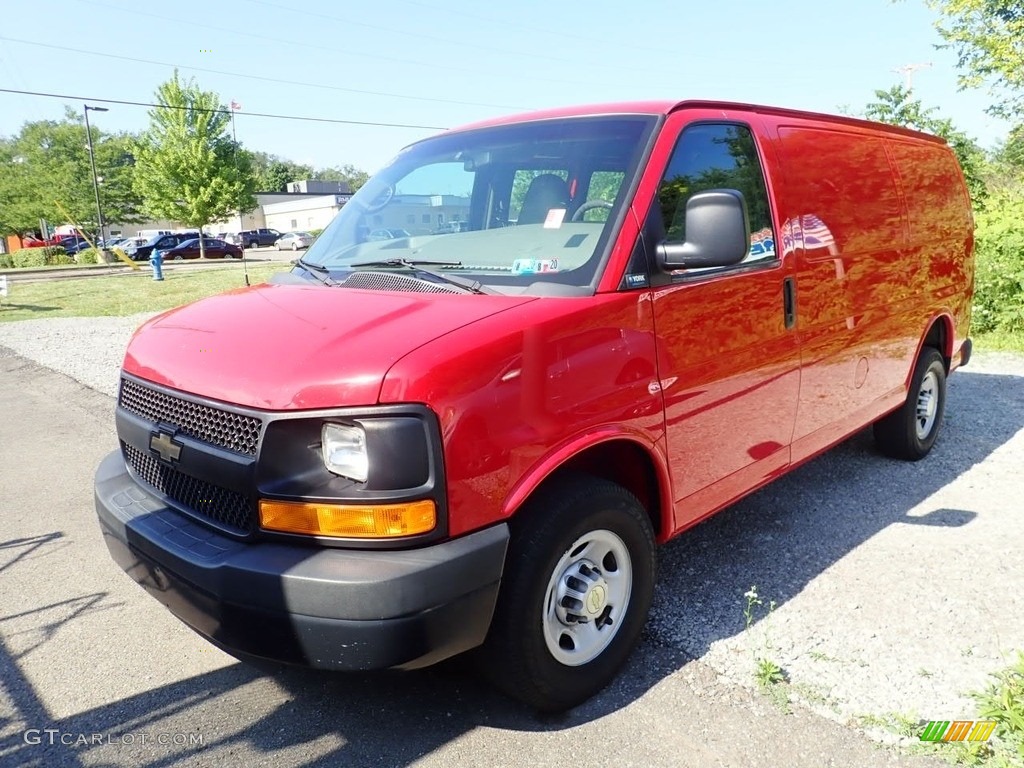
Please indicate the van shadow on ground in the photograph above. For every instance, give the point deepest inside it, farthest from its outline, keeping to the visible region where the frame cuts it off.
(789, 532)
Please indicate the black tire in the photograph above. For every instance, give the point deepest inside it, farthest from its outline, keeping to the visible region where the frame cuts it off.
(910, 431)
(530, 653)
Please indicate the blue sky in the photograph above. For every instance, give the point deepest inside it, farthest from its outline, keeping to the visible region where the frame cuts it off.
(443, 63)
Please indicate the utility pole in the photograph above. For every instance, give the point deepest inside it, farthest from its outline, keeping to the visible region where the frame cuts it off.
(235, 106)
(95, 179)
(908, 70)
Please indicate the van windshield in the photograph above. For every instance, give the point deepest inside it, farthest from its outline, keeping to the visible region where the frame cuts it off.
(511, 206)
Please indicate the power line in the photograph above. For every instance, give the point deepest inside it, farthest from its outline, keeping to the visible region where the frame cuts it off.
(312, 46)
(257, 77)
(561, 34)
(224, 111)
(420, 35)
(256, 36)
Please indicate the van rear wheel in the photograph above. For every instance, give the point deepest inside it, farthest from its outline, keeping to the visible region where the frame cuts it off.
(578, 584)
(910, 431)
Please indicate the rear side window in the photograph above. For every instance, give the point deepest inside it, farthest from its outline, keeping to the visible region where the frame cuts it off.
(717, 156)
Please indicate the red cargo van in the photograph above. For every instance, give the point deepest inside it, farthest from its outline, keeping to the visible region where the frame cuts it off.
(408, 448)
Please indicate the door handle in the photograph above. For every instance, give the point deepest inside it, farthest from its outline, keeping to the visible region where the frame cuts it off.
(789, 301)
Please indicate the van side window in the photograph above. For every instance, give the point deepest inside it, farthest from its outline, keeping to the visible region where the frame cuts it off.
(717, 156)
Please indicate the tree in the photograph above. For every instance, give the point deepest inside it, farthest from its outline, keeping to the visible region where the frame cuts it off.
(47, 172)
(354, 177)
(988, 37)
(273, 173)
(188, 168)
(897, 107)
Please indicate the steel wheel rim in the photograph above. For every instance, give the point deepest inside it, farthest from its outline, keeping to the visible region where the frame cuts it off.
(587, 598)
(927, 407)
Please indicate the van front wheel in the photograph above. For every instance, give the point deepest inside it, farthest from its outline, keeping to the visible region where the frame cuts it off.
(910, 431)
(577, 587)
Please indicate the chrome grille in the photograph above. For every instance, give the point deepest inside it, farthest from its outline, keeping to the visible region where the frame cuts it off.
(228, 508)
(234, 431)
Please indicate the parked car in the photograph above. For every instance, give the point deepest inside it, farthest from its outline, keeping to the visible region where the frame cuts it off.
(130, 244)
(72, 245)
(294, 241)
(403, 450)
(253, 238)
(387, 234)
(161, 243)
(215, 249)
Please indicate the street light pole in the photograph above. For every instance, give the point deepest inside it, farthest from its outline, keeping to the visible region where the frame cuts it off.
(92, 161)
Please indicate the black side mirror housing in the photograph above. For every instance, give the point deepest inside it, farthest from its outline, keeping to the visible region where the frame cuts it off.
(717, 232)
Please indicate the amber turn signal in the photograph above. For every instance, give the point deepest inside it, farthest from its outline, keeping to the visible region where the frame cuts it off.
(378, 521)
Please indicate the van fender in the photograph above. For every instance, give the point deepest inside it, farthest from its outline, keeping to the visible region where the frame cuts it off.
(563, 453)
(945, 317)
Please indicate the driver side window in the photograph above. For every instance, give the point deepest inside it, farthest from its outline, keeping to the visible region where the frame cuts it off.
(717, 156)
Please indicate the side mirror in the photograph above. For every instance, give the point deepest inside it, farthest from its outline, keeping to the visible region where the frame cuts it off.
(717, 232)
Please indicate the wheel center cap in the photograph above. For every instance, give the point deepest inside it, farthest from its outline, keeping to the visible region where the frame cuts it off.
(597, 596)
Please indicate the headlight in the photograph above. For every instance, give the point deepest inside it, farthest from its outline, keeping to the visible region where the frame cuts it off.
(344, 451)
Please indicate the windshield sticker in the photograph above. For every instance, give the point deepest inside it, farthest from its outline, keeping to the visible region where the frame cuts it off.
(534, 266)
(555, 218)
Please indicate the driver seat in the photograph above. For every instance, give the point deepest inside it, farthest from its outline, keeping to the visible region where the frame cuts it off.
(545, 192)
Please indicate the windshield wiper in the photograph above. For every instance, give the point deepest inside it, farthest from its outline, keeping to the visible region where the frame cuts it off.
(418, 266)
(321, 273)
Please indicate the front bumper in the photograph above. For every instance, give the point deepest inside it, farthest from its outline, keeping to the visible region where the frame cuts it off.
(321, 607)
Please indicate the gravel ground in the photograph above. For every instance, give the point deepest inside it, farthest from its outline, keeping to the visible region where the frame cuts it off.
(897, 587)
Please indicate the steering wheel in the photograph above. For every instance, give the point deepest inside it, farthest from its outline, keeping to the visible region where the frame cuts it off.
(381, 200)
(589, 206)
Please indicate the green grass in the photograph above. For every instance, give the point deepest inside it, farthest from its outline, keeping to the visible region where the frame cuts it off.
(125, 294)
(1003, 701)
(999, 341)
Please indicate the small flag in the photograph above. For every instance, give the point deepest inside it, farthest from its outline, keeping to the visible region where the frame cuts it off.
(235, 105)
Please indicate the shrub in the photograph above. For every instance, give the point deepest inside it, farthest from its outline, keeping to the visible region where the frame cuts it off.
(999, 277)
(6, 261)
(90, 256)
(50, 255)
(57, 257)
(30, 257)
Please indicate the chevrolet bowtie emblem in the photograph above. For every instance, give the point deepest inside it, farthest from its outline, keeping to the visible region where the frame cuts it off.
(164, 444)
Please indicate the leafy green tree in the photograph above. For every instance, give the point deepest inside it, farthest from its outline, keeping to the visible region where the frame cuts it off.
(988, 37)
(354, 177)
(273, 173)
(47, 172)
(897, 106)
(999, 280)
(188, 168)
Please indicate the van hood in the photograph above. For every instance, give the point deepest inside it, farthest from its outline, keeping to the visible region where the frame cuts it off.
(289, 347)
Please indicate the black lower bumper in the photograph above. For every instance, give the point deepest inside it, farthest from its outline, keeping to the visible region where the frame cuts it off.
(321, 607)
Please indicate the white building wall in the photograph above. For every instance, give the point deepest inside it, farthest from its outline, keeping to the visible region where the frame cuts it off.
(304, 215)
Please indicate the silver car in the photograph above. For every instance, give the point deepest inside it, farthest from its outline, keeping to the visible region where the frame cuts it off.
(294, 241)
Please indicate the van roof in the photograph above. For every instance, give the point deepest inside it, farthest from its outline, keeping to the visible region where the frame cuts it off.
(664, 107)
